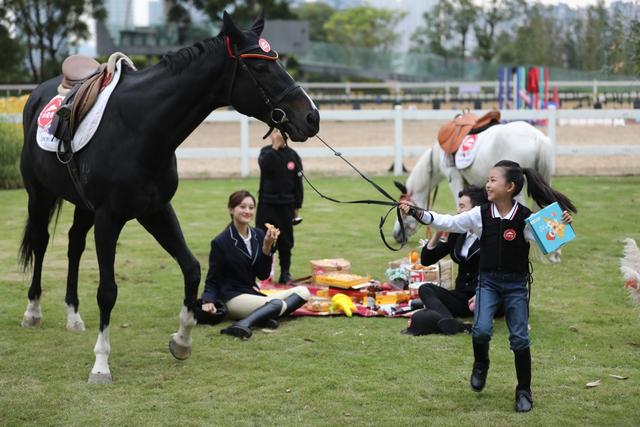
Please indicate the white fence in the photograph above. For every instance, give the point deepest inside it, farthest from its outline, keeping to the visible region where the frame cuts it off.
(396, 87)
(399, 150)
(399, 115)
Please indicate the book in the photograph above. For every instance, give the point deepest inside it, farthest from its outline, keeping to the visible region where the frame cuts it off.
(549, 230)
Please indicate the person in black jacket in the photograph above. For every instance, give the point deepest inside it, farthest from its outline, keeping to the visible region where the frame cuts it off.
(238, 255)
(464, 250)
(280, 196)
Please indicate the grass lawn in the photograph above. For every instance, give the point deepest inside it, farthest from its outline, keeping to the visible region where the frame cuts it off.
(316, 371)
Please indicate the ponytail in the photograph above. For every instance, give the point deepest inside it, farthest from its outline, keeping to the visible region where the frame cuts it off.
(543, 194)
(537, 188)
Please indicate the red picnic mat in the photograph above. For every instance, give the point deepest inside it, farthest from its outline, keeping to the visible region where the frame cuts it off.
(390, 310)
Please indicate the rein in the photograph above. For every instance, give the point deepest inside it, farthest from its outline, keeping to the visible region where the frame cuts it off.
(391, 202)
(278, 117)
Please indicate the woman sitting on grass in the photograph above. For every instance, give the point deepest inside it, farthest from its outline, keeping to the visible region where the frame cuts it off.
(504, 265)
(238, 255)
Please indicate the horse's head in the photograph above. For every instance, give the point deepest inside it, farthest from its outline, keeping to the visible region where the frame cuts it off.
(424, 177)
(262, 88)
(410, 223)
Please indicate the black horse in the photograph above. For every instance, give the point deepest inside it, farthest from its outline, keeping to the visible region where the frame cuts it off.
(129, 171)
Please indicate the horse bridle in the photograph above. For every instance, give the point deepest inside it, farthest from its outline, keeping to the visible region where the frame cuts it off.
(277, 116)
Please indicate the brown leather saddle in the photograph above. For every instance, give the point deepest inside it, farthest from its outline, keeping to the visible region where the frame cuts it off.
(83, 79)
(452, 133)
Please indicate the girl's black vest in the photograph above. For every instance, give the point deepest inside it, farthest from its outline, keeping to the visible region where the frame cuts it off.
(503, 247)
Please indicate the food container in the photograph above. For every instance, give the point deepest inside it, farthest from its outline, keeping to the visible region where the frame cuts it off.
(340, 280)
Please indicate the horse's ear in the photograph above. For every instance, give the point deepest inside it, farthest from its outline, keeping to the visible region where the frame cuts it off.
(229, 27)
(400, 186)
(258, 24)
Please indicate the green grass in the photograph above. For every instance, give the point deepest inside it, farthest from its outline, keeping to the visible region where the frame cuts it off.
(317, 371)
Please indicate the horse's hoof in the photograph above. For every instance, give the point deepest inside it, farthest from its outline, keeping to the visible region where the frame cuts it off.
(75, 326)
(179, 351)
(31, 322)
(554, 259)
(100, 378)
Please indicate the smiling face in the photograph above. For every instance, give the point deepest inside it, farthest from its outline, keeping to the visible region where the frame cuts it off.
(243, 212)
(464, 204)
(498, 188)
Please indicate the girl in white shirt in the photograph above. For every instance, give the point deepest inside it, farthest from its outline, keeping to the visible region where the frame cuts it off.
(504, 264)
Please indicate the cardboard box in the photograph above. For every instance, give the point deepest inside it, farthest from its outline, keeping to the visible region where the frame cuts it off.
(327, 265)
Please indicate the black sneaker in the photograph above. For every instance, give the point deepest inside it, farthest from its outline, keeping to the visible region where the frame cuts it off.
(479, 375)
(524, 401)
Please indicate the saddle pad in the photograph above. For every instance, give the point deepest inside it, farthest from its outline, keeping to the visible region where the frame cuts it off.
(87, 127)
(467, 151)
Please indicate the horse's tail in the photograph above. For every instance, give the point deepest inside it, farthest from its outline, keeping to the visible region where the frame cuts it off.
(544, 163)
(31, 233)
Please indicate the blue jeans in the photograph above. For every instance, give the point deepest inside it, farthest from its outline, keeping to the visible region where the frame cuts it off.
(511, 290)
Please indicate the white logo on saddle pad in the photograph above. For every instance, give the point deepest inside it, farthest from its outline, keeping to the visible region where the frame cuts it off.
(49, 111)
(87, 127)
(467, 151)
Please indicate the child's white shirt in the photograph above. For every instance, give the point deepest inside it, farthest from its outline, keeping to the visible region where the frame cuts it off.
(470, 221)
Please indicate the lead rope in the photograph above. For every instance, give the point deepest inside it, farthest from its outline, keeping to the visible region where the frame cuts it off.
(392, 203)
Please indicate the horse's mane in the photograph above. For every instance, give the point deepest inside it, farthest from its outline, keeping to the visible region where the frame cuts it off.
(179, 60)
(418, 177)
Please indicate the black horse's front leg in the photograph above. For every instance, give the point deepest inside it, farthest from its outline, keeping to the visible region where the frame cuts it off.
(164, 226)
(108, 228)
(82, 223)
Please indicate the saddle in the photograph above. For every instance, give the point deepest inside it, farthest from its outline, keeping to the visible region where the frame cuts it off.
(452, 133)
(83, 79)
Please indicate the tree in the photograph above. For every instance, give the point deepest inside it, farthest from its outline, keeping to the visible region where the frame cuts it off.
(48, 28)
(538, 41)
(11, 58)
(596, 35)
(317, 14)
(363, 26)
(632, 48)
(464, 15)
(446, 20)
(491, 15)
(436, 34)
(243, 11)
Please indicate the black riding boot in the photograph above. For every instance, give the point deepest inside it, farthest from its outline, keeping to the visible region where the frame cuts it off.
(293, 302)
(480, 366)
(242, 328)
(451, 326)
(524, 401)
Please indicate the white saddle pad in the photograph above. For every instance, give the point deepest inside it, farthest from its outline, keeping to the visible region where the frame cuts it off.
(467, 151)
(87, 127)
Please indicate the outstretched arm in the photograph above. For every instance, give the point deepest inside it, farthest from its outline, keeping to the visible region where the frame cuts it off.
(461, 223)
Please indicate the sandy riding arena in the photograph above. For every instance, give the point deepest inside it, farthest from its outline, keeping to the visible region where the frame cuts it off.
(380, 134)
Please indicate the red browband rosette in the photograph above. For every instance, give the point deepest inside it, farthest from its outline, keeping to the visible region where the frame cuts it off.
(271, 56)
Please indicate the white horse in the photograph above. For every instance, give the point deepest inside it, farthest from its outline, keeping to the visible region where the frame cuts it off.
(516, 141)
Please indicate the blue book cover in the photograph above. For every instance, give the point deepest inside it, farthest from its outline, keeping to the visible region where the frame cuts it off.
(549, 230)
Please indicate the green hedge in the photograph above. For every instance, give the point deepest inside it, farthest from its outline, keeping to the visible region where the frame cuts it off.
(10, 147)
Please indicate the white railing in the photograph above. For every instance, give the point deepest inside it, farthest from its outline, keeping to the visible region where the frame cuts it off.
(396, 87)
(399, 115)
(399, 150)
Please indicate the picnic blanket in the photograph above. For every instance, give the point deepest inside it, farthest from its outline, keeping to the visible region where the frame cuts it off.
(402, 309)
